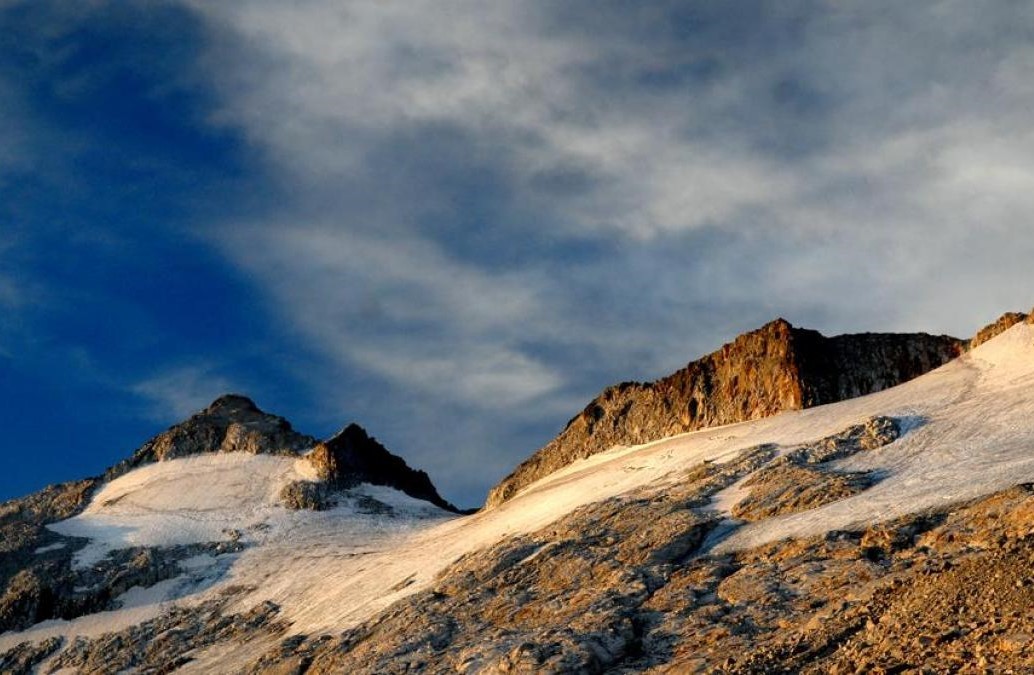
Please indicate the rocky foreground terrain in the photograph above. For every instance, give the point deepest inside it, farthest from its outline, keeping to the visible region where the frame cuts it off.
(890, 533)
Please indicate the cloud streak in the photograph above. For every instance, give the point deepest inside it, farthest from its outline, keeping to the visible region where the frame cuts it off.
(402, 310)
(499, 205)
(177, 393)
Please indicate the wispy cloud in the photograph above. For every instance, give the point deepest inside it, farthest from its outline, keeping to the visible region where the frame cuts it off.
(403, 310)
(876, 125)
(179, 392)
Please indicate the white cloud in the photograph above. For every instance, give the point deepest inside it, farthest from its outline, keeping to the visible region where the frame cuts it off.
(858, 168)
(401, 309)
(176, 393)
(905, 131)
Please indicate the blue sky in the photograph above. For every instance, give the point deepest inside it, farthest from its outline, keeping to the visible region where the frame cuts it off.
(455, 222)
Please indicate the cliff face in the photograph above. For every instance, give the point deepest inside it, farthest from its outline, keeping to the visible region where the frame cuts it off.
(763, 372)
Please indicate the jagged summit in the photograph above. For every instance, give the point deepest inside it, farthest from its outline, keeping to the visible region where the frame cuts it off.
(234, 423)
(352, 456)
(765, 371)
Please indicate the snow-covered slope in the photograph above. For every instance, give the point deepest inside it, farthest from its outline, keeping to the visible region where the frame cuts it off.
(967, 432)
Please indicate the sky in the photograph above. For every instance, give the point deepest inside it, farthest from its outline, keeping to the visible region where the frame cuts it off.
(455, 222)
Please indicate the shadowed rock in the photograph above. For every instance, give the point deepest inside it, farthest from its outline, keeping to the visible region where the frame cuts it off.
(353, 456)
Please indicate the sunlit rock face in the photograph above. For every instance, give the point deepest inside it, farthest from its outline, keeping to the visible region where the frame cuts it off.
(775, 368)
(993, 330)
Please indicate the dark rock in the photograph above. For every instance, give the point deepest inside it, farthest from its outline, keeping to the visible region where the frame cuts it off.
(22, 659)
(353, 456)
(309, 495)
(49, 587)
(160, 645)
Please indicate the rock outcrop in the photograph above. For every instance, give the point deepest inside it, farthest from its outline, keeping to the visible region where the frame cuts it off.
(352, 457)
(769, 370)
(232, 423)
(802, 479)
(993, 330)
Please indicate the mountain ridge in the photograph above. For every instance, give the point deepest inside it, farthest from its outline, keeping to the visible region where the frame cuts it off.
(774, 368)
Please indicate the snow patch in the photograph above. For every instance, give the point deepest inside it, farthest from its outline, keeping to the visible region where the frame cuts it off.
(52, 547)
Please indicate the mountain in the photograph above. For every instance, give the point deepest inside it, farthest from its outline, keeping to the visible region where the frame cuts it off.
(234, 440)
(774, 368)
(890, 532)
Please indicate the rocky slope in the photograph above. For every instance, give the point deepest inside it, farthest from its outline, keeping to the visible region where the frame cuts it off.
(623, 586)
(775, 368)
(996, 328)
(628, 584)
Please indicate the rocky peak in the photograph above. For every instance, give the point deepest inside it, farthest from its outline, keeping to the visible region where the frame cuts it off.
(352, 456)
(765, 371)
(231, 423)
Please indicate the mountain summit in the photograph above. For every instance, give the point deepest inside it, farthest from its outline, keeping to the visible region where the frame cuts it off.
(231, 423)
(352, 457)
(190, 490)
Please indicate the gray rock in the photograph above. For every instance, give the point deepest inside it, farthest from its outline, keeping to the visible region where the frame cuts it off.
(307, 495)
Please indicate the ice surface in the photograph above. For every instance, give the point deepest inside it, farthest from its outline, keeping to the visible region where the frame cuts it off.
(969, 432)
